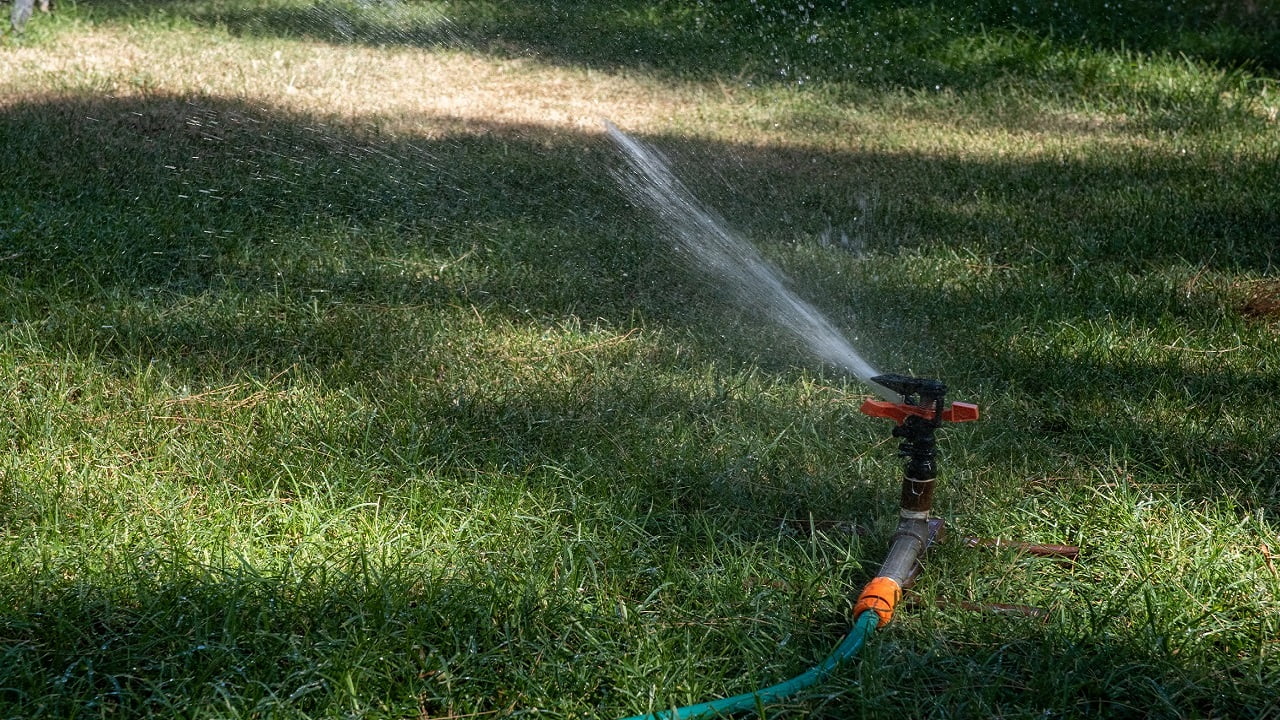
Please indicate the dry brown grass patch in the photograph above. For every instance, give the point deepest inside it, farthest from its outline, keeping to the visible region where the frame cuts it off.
(1263, 302)
(342, 83)
(428, 92)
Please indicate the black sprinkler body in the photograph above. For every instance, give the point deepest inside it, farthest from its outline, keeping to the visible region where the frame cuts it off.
(922, 411)
(918, 445)
(914, 390)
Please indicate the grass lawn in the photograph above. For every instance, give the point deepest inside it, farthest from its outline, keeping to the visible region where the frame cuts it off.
(340, 378)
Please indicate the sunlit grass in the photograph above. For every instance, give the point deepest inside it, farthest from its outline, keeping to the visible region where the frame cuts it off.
(340, 380)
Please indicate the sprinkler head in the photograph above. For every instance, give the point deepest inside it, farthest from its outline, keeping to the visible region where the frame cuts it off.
(922, 398)
(919, 415)
(909, 388)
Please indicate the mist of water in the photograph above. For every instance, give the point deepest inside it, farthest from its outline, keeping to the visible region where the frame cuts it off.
(378, 22)
(706, 240)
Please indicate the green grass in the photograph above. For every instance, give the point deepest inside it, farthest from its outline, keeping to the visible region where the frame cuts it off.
(323, 415)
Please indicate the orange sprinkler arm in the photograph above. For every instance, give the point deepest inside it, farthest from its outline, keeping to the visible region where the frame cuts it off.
(899, 412)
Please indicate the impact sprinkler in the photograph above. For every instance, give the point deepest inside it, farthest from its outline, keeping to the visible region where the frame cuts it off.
(922, 411)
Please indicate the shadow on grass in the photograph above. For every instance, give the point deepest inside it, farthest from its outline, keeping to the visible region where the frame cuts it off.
(876, 44)
(1073, 671)
(212, 242)
(169, 634)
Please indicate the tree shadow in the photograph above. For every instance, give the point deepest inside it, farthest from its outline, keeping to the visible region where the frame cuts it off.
(291, 639)
(991, 668)
(174, 635)
(874, 44)
(204, 241)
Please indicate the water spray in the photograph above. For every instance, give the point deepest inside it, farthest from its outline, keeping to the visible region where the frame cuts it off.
(701, 237)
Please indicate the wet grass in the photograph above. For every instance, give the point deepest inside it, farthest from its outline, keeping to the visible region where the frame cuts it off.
(313, 411)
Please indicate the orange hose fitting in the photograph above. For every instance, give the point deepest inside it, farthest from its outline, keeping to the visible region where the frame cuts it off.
(880, 596)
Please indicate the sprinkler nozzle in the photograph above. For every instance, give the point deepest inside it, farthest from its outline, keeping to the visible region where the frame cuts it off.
(921, 398)
(908, 386)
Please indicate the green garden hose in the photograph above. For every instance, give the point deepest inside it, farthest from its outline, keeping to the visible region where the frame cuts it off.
(863, 627)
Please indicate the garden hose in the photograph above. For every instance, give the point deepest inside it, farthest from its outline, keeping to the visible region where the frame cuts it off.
(920, 413)
(863, 628)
